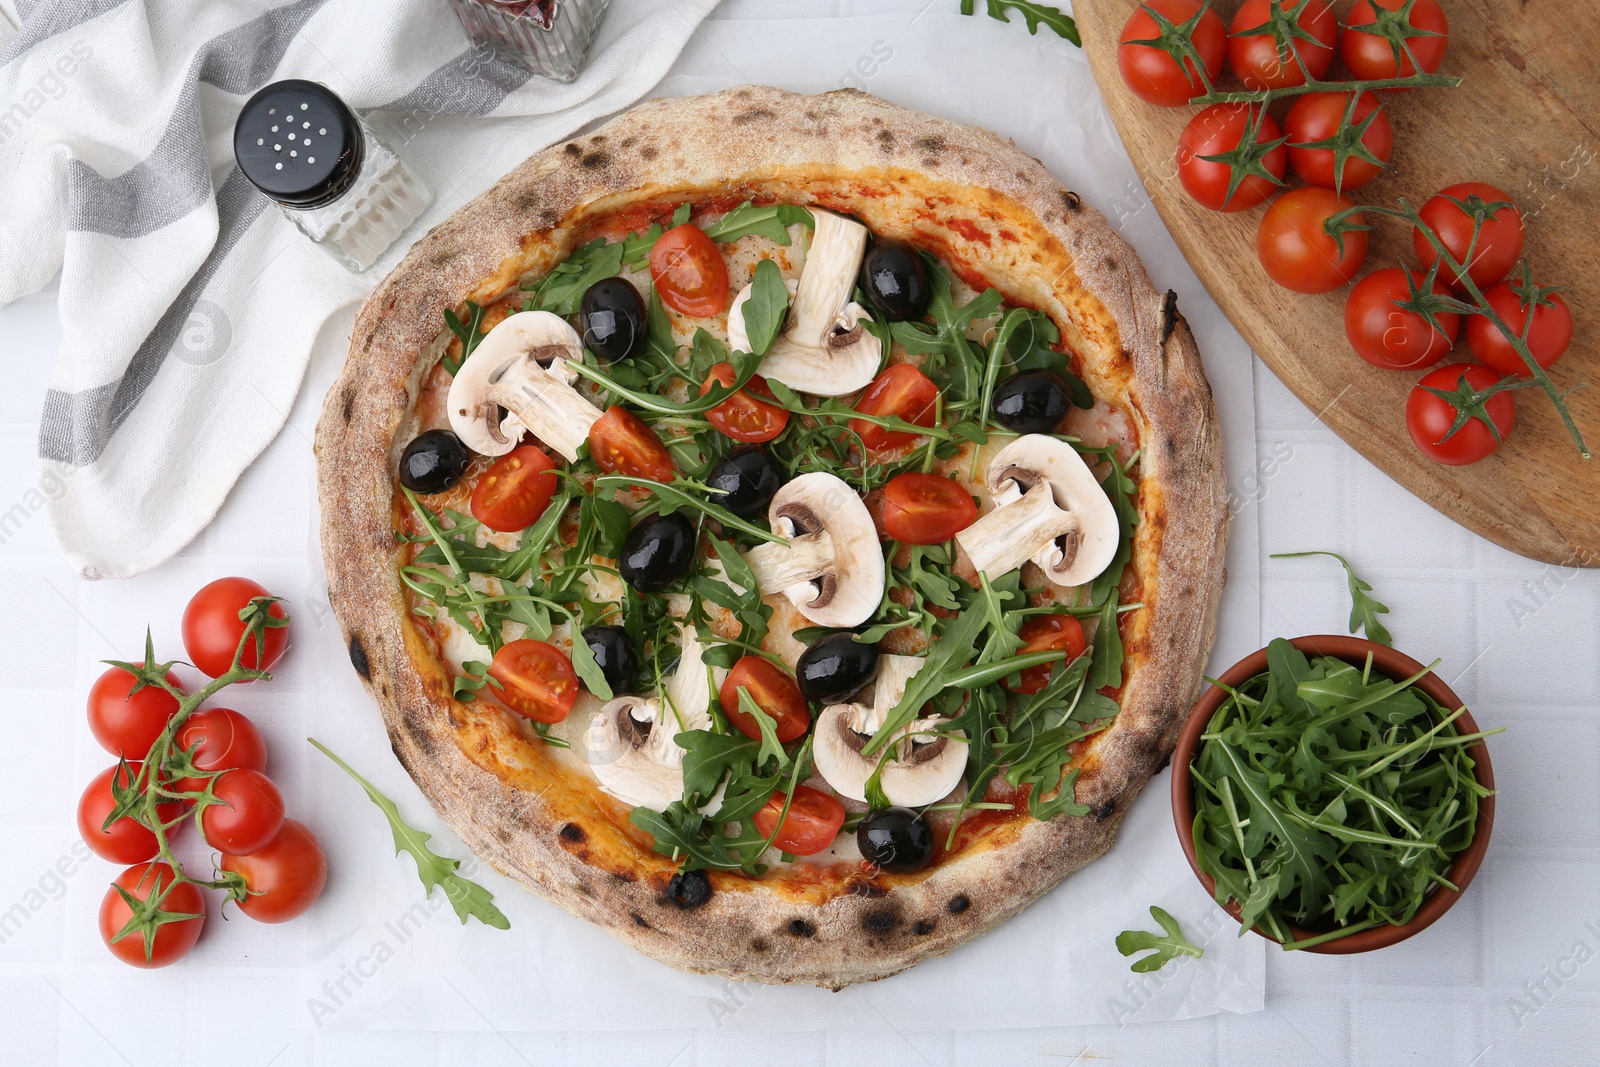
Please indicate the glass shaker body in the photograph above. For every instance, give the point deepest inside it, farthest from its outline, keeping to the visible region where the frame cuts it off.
(549, 37)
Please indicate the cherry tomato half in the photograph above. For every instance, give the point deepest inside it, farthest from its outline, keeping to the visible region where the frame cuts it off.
(811, 825)
(1152, 74)
(1547, 339)
(128, 724)
(536, 680)
(1429, 417)
(1369, 57)
(775, 692)
(221, 739)
(744, 416)
(170, 941)
(1047, 633)
(1295, 249)
(688, 272)
(621, 443)
(514, 492)
(1499, 241)
(250, 815)
(1391, 337)
(1218, 130)
(212, 628)
(902, 391)
(926, 509)
(1256, 58)
(284, 878)
(1316, 117)
(128, 840)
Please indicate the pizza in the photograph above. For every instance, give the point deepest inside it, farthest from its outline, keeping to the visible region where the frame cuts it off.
(784, 531)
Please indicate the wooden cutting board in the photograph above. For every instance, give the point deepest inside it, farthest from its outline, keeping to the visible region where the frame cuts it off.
(1525, 118)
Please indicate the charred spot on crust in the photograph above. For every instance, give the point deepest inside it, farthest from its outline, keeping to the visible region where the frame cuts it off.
(349, 409)
(931, 145)
(1073, 203)
(629, 142)
(625, 877)
(923, 927)
(689, 889)
(1169, 315)
(754, 114)
(958, 904)
(801, 928)
(638, 919)
(573, 833)
(572, 149)
(648, 152)
(1104, 811)
(880, 921)
(596, 160)
(886, 141)
(1110, 263)
(758, 945)
(358, 658)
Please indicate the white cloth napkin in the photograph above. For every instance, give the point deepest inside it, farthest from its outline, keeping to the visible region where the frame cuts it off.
(189, 303)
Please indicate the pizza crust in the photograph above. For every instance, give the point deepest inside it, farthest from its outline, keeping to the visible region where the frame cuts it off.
(966, 195)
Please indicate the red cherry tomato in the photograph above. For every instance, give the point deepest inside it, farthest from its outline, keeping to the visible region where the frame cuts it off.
(1429, 417)
(1217, 130)
(811, 825)
(536, 680)
(169, 941)
(249, 816)
(1548, 338)
(1369, 57)
(901, 391)
(621, 443)
(775, 692)
(1391, 337)
(284, 878)
(744, 416)
(1316, 117)
(514, 492)
(1258, 62)
(212, 628)
(1047, 633)
(1152, 74)
(128, 724)
(221, 739)
(1499, 242)
(688, 272)
(128, 840)
(1295, 248)
(926, 509)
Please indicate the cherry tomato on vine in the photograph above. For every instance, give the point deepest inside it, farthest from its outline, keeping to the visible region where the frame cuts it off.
(1499, 241)
(1256, 57)
(1370, 57)
(536, 680)
(222, 739)
(514, 492)
(688, 271)
(811, 825)
(621, 443)
(1317, 117)
(1047, 633)
(1218, 130)
(1153, 74)
(285, 877)
(1295, 248)
(212, 628)
(926, 509)
(902, 391)
(1547, 339)
(1391, 337)
(128, 840)
(744, 416)
(160, 944)
(1429, 416)
(775, 692)
(127, 724)
(249, 816)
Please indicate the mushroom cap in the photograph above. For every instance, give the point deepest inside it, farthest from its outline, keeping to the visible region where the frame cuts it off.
(918, 769)
(517, 346)
(846, 362)
(819, 503)
(1081, 555)
(630, 748)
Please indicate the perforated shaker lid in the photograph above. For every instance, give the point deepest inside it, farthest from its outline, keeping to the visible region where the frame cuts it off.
(298, 143)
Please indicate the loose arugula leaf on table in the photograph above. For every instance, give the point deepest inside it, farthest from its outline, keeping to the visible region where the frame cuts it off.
(468, 898)
(1168, 946)
(1364, 609)
(771, 221)
(469, 333)
(1034, 14)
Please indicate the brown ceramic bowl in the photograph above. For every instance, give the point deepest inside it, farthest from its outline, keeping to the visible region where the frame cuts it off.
(1395, 665)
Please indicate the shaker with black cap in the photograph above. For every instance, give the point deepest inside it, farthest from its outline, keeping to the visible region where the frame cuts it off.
(302, 146)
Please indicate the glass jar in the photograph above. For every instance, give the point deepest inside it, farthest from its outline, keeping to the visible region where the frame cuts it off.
(548, 37)
(303, 147)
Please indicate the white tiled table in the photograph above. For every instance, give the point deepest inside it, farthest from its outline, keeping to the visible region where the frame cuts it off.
(1506, 978)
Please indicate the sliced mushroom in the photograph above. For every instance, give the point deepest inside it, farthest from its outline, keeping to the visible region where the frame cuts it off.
(517, 379)
(919, 767)
(832, 568)
(1048, 508)
(824, 350)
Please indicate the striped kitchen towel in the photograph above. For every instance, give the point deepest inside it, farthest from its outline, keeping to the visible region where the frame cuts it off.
(189, 304)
